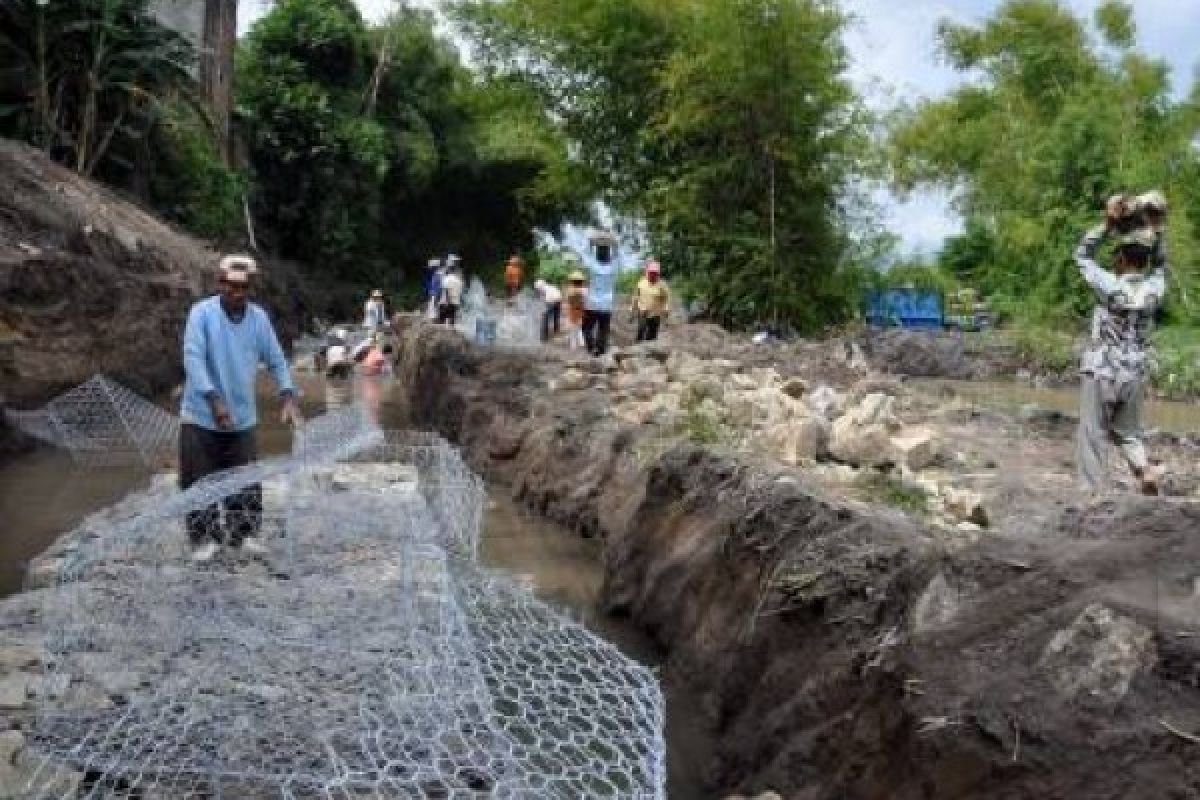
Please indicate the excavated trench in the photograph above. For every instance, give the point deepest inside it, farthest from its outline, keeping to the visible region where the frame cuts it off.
(840, 650)
(815, 647)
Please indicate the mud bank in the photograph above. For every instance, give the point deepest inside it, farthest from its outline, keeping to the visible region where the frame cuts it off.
(90, 282)
(842, 649)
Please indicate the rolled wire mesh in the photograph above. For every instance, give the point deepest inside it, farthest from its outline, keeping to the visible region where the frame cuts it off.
(101, 423)
(515, 324)
(367, 655)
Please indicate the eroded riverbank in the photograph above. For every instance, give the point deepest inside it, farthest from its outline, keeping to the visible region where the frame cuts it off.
(840, 647)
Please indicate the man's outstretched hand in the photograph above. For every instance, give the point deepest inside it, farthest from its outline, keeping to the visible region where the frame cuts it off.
(290, 415)
(221, 413)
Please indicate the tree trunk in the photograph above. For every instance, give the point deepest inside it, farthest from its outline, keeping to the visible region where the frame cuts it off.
(82, 148)
(216, 68)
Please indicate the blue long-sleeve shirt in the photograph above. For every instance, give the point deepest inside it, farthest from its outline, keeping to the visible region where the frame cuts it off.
(222, 356)
(602, 284)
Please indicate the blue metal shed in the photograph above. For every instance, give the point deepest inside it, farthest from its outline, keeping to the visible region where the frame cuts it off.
(905, 308)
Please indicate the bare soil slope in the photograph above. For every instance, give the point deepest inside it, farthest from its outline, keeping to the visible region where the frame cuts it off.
(90, 282)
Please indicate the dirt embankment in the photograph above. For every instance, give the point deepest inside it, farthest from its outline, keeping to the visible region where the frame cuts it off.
(90, 282)
(849, 650)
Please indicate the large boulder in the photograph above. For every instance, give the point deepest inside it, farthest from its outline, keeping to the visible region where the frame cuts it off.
(916, 448)
(796, 442)
(863, 435)
(875, 408)
(763, 408)
(860, 445)
(573, 380)
(965, 505)
(794, 388)
(826, 402)
(1097, 657)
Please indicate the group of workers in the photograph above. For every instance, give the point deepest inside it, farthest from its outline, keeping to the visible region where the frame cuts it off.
(588, 297)
(226, 338)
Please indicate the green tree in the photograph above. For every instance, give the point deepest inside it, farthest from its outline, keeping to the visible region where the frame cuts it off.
(726, 126)
(755, 130)
(319, 159)
(594, 66)
(1059, 121)
(87, 77)
(374, 147)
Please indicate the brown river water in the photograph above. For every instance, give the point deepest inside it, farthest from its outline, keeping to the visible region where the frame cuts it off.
(43, 494)
(1164, 415)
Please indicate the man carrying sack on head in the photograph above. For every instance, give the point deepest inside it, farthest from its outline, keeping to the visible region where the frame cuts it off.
(1116, 362)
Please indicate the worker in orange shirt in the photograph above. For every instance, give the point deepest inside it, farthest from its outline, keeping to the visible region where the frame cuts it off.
(512, 277)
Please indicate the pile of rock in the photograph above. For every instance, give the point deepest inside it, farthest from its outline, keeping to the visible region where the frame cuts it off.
(781, 417)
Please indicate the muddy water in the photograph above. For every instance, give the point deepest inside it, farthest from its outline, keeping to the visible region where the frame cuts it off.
(43, 495)
(1165, 415)
(565, 571)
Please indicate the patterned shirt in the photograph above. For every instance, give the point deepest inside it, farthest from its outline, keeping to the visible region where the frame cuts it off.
(1118, 347)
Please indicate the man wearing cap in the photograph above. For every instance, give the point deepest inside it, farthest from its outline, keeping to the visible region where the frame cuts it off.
(374, 313)
(651, 300)
(1115, 368)
(225, 339)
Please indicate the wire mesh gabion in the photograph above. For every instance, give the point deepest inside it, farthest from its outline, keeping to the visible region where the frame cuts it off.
(367, 655)
(101, 423)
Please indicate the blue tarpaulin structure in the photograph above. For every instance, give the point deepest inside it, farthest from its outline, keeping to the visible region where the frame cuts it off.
(905, 308)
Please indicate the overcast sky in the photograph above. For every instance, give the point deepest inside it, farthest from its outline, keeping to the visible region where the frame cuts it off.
(894, 58)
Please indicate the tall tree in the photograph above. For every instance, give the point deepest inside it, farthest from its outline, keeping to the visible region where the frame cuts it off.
(754, 138)
(89, 76)
(727, 126)
(374, 147)
(1059, 121)
(320, 161)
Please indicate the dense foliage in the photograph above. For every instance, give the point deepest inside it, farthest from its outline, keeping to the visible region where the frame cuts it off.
(374, 148)
(726, 128)
(726, 125)
(87, 79)
(1060, 120)
(102, 87)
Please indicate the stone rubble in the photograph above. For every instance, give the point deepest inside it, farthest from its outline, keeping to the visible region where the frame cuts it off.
(840, 436)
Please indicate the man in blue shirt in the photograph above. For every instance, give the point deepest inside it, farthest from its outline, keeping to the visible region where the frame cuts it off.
(225, 340)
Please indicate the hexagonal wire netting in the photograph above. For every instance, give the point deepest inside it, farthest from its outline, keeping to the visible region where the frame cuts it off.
(101, 423)
(368, 655)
